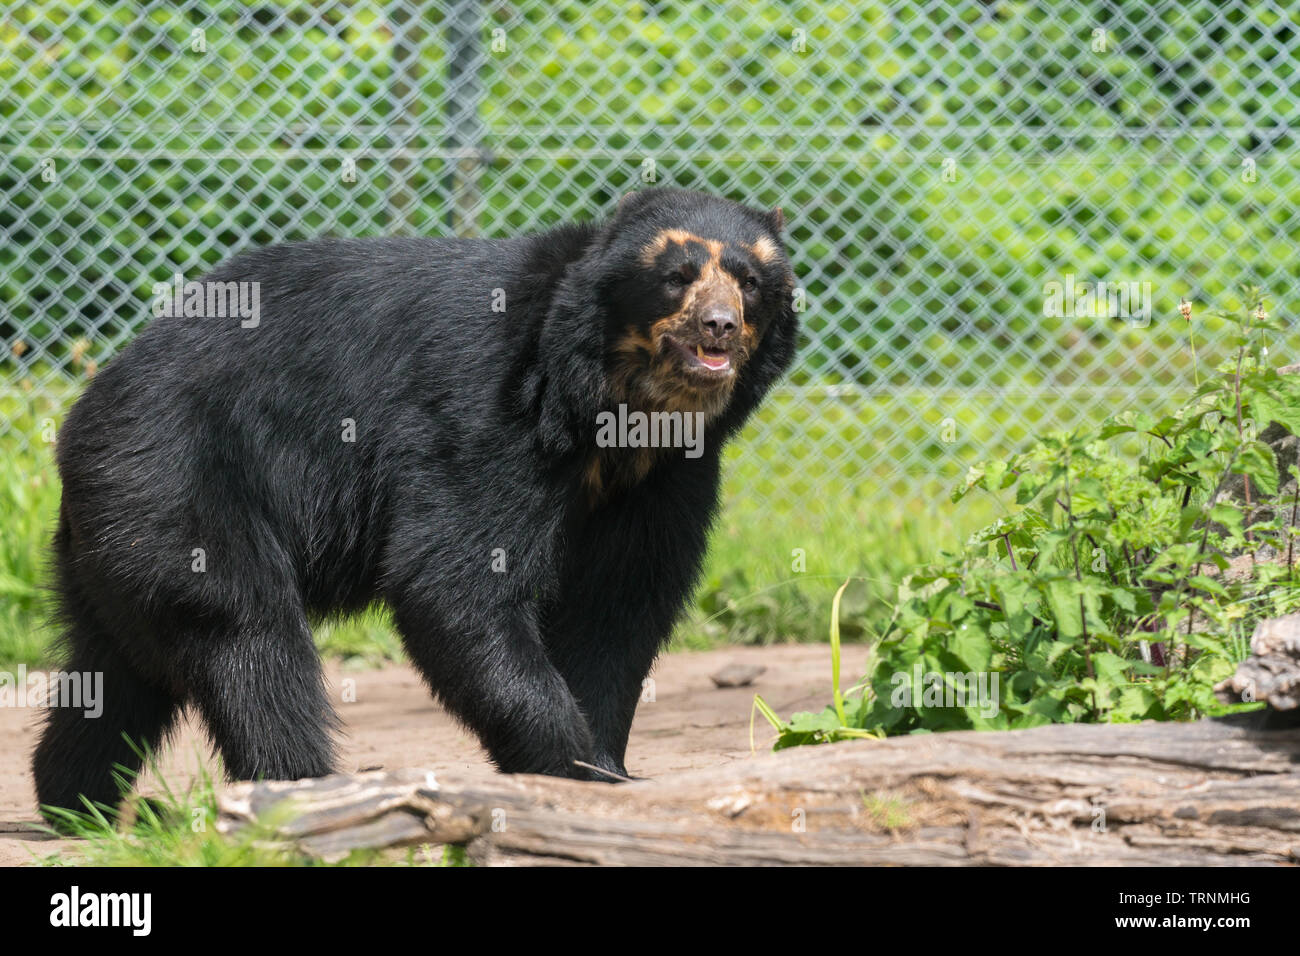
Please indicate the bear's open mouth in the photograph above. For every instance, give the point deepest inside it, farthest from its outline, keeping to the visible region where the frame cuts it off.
(705, 359)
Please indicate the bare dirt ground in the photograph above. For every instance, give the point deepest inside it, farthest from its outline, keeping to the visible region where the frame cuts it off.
(393, 722)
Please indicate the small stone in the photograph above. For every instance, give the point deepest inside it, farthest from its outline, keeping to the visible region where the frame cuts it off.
(1272, 672)
(737, 675)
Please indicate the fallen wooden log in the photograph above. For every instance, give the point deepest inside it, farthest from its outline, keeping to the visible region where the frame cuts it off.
(1205, 793)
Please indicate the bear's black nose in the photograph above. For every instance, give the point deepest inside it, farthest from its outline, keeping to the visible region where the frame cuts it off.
(720, 321)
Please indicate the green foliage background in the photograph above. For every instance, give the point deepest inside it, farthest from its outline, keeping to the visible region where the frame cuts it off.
(1120, 164)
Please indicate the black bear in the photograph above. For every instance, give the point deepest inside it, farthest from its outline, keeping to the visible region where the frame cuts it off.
(512, 443)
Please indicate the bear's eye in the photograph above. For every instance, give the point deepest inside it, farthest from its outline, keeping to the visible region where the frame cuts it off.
(678, 280)
(750, 284)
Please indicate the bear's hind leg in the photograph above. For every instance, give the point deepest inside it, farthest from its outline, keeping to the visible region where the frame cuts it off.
(82, 747)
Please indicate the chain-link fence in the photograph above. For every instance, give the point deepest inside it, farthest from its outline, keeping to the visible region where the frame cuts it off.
(994, 208)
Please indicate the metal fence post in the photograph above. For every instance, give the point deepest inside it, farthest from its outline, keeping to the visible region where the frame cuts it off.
(464, 129)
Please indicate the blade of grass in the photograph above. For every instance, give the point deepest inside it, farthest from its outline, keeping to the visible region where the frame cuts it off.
(835, 654)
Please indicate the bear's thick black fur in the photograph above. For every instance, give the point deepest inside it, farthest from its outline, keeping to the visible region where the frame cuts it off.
(213, 503)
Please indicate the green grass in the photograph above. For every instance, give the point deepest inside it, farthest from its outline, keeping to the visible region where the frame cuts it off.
(363, 640)
(29, 503)
(753, 591)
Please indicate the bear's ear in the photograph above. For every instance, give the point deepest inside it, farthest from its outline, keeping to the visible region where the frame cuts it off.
(776, 219)
(632, 200)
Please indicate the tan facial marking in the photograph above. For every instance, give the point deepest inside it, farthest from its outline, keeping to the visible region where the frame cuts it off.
(716, 283)
(713, 280)
(593, 479)
(665, 326)
(633, 341)
(764, 250)
(679, 237)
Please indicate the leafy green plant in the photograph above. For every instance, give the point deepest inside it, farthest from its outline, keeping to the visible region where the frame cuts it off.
(1124, 585)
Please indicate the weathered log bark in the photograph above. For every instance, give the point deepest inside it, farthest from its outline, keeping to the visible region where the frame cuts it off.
(1160, 794)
